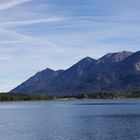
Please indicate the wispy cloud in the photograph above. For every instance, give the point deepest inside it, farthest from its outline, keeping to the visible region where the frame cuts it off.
(30, 22)
(4, 58)
(10, 42)
(11, 4)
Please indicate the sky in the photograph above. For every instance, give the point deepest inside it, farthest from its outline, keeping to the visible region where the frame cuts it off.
(40, 34)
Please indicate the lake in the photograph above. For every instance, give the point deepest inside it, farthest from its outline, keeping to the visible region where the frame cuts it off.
(70, 120)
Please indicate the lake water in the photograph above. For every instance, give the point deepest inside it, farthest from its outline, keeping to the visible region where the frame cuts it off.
(70, 120)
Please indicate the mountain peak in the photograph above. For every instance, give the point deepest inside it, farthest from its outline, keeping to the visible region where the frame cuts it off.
(48, 69)
(115, 57)
(87, 59)
(81, 65)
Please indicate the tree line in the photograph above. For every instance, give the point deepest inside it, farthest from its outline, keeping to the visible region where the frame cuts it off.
(22, 97)
(97, 95)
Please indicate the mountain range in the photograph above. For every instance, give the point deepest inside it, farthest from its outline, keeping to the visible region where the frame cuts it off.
(111, 73)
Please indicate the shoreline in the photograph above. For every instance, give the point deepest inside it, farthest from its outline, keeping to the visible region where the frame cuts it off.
(70, 99)
(94, 96)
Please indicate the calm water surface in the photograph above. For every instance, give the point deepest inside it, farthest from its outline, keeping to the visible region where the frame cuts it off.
(70, 120)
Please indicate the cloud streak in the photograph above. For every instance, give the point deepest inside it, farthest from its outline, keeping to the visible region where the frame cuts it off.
(30, 22)
(11, 4)
(4, 58)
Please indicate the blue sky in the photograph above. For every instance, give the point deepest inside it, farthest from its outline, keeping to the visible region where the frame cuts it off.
(36, 34)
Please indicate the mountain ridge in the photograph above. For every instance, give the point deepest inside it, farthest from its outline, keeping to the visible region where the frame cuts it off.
(112, 72)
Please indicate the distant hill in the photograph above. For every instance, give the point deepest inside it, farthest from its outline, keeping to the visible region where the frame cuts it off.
(111, 73)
